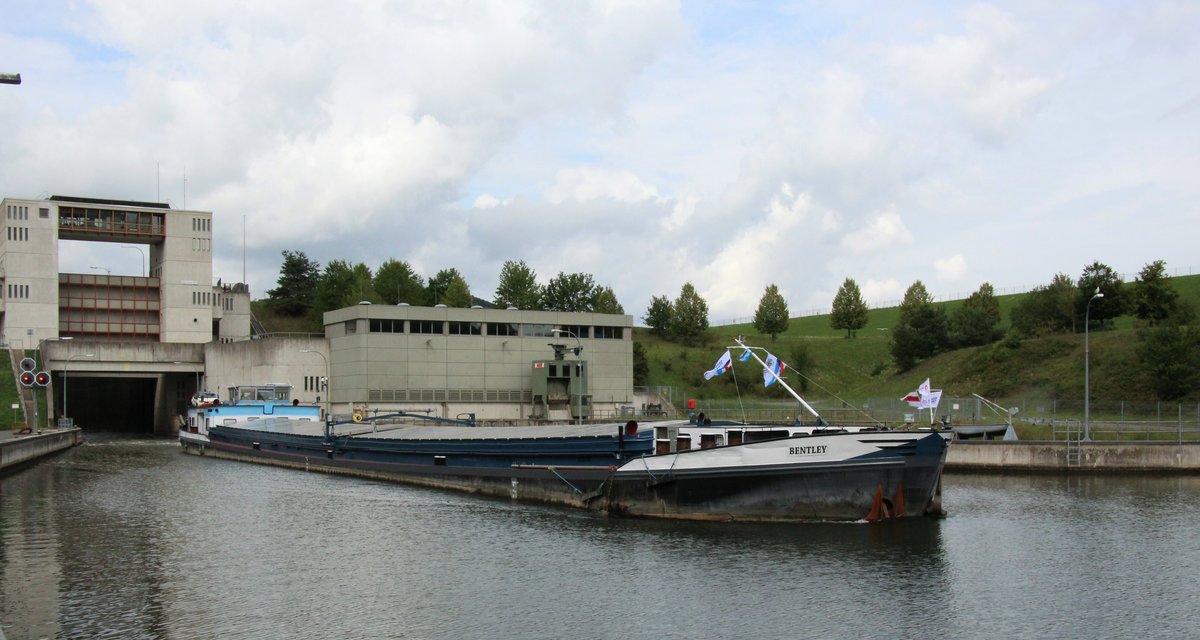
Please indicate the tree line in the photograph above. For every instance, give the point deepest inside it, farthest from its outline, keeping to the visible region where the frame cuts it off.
(305, 289)
(1168, 335)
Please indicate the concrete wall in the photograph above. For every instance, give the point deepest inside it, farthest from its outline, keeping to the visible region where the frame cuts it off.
(29, 259)
(274, 360)
(26, 448)
(183, 263)
(1052, 456)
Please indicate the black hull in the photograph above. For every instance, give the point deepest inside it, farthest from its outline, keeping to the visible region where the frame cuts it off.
(873, 487)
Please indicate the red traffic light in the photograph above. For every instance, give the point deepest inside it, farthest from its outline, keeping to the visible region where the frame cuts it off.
(42, 378)
(27, 378)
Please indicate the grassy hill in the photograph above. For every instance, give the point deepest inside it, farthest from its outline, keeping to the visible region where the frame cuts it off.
(860, 368)
(857, 369)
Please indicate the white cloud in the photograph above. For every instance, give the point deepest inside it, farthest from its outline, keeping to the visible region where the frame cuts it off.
(951, 269)
(882, 230)
(583, 184)
(646, 143)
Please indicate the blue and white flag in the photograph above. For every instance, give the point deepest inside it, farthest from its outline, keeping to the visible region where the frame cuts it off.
(724, 363)
(773, 370)
(745, 357)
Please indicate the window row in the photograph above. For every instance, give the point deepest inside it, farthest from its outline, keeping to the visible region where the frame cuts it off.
(503, 329)
(201, 224)
(16, 291)
(18, 233)
(204, 298)
(14, 212)
(201, 244)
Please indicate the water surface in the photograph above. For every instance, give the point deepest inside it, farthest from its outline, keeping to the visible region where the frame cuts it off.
(129, 538)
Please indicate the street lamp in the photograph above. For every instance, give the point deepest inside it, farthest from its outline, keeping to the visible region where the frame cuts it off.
(42, 363)
(78, 355)
(578, 382)
(106, 270)
(139, 249)
(326, 385)
(1087, 394)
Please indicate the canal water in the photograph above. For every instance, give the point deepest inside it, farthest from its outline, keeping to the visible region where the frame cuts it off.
(130, 538)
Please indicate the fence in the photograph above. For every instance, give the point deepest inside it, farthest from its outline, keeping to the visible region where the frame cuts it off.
(1035, 418)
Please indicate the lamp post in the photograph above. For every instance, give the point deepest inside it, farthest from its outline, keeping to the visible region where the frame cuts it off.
(42, 364)
(328, 405)
(578, 382)
(106, 270)
(78, 355)
(139, 250)
(1087, 392)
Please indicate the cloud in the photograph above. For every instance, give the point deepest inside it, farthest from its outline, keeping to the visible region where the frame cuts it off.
(951, 269)
(975, 74)
(881, 230)
(583, 184)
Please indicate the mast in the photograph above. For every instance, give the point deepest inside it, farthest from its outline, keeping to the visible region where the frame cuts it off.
(778, 379)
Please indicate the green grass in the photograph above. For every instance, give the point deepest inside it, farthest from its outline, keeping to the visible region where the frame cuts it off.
(856, 369)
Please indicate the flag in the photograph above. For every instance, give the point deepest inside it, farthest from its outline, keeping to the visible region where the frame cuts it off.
(923, 390)
(745, 357)
(724, 363)
(931, 400)
(773, 370)
(913, 399)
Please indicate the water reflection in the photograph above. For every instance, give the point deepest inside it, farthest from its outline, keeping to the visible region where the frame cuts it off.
(130, 538)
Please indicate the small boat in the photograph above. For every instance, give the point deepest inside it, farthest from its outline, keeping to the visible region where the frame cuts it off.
(246, 404)
(688, 470)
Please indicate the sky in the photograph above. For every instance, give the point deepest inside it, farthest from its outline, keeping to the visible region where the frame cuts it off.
(730, 145)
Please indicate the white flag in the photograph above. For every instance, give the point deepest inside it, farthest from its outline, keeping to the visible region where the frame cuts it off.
(724, 363)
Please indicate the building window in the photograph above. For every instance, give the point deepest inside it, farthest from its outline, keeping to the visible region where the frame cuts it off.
(386, 326)
(43, 212)
(351, 326)
(426, 326)
(501, 329)
(609, 333)
(536, 330)
(579, 331)
(465, 328)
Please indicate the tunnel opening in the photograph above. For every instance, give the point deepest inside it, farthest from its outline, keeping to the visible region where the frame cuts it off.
(111, 404)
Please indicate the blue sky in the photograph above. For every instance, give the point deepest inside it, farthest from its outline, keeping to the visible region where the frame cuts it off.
(730, 145)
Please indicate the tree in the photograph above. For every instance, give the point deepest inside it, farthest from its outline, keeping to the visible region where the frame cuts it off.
(915, 296)
(605, 301)
(1100, 277)
(1170, 351)
(641, 365)
(458, 293)
(296, 285)
(921, 330)
(436, 289)
(689, 315)
(977, 321)
(849, 310)
(1048, 309)
(336, 288)
(659, 316)
(771, 317)
(921, 335)
(396, 281)
(569, 292)
(518, 287)
(1153, 298)
(363, 287)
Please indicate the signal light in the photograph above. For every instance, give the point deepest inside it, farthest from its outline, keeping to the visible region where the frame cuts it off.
(42, 378)
(27, 378)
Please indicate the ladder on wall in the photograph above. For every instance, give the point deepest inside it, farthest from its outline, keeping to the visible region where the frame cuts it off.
(1074, 439)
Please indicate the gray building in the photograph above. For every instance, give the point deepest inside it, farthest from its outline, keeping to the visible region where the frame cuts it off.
(501, 364)
(133, 349)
